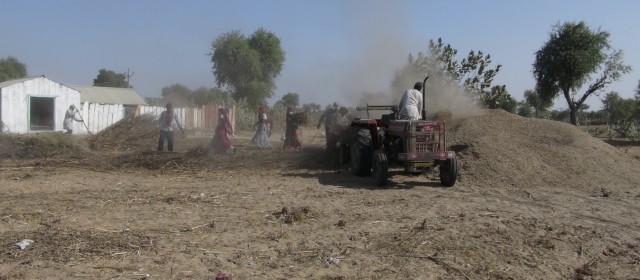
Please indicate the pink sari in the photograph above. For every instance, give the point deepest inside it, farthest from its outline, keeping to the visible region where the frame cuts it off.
(220, 142)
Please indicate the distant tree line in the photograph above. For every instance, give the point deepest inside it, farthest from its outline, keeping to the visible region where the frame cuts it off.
(575, 63)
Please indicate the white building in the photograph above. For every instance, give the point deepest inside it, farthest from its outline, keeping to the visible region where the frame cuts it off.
(104, 106)
(34, 104)
(38, 104)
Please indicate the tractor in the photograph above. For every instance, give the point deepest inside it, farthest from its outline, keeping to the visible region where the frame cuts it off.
(372, 145)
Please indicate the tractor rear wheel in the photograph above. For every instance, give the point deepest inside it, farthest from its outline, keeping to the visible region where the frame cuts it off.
(449, 172)
(380, 168)
(361, 149)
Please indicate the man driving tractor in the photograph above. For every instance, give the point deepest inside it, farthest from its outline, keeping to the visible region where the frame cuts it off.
(411, 103)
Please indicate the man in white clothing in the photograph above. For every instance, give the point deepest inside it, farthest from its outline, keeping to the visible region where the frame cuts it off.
(69, 117)
(411, 103)
(165, 124)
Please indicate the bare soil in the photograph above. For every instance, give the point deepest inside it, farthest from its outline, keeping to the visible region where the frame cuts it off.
(535, 199)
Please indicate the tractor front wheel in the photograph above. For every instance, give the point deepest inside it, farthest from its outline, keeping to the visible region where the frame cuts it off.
(380, 168)
(449, 172)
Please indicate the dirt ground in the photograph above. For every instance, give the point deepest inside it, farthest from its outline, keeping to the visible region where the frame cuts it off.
(535, 199)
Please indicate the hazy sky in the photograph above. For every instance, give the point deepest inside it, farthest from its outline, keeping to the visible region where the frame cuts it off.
(334, 48)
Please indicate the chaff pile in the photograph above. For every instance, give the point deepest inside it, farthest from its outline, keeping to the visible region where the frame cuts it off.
(42, 145)
(137, 133)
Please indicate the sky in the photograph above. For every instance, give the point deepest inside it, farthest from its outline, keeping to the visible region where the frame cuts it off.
(334, 49)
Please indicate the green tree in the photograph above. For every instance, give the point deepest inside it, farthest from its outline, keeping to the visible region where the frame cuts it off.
(560, 115)
(291, 99)
(617, 108)
(499, 98)
(204, 96)
(524, 109)
(539, 105)
(248, 66)
(11, 68)
(509, 104)
(108, 78)
(177, 90)
(570, 58)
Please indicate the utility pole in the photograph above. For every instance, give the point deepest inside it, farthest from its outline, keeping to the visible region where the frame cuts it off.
(128, 75)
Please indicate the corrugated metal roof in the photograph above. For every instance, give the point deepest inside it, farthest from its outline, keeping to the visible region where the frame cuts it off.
(109, 95)
(17, 81)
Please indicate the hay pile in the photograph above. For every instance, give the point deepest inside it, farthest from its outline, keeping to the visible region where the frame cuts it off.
(502, 149)
(42, 145)
(137, 133)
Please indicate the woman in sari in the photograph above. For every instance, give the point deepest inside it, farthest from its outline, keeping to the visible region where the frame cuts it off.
(291, 136)
(261, 138)
(220, 143)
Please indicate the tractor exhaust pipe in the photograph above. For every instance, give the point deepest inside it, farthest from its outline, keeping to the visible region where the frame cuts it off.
(424, 86)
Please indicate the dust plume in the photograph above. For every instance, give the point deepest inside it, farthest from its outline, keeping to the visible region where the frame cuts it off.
(382, 36)
(441, 93)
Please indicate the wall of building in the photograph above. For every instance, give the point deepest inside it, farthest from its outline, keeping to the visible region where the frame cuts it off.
(16, 98)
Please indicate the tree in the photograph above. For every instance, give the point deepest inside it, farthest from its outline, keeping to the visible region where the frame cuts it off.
(177, 90)
(11, 68)
(204, 96)
(617, 108)
(248, 66)
(291, 99)
(108, 78)
(509, 104)
(538, 104)
(474, 72)
(570, 58)
(499, 98)
(524, 109)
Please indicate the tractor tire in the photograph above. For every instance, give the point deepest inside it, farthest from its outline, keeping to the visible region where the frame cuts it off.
(380, 168)
(449, 172)
(361, 150)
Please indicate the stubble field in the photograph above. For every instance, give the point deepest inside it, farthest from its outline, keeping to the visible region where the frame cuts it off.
(535, 199)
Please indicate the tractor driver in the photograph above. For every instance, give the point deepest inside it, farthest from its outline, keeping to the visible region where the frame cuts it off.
(411, 103)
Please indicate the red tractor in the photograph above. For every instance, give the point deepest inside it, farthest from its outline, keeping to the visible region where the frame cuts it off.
(416, 145)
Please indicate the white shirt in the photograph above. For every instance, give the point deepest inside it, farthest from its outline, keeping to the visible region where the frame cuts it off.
(410, 105)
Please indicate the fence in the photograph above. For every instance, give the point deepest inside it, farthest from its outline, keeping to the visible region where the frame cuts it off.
(100, 116)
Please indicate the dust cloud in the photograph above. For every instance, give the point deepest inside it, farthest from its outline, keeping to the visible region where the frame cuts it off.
(381, 36)
(379, 42)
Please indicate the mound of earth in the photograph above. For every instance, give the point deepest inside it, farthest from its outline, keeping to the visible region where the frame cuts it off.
(134, 133)
(42, 145)
(499, 149)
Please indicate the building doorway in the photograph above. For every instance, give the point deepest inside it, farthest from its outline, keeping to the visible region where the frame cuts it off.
(41, 116)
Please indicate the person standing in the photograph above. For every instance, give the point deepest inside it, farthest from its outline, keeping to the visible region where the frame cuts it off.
(261, 138)
(411, 103)
(339, 125)
(165, 125)
(328, 116)
(291, 136)
(69, 117)
(220, 144)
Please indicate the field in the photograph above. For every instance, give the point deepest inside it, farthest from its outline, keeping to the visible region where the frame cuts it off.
(536, 199)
